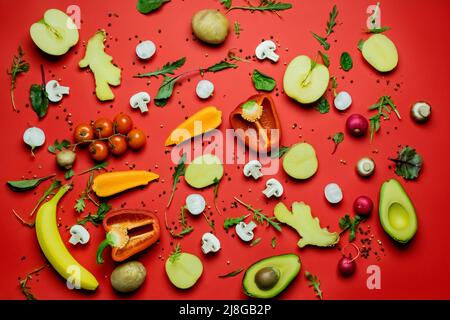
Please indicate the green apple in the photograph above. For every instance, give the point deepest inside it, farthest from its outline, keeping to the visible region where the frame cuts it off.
(54, 34)
(305, 81)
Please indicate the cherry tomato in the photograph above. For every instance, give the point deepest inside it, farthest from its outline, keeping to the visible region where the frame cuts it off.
(117, 145)
(99, 150)
(103, 128)
(123, 123)
(83, 132)
(136, 139)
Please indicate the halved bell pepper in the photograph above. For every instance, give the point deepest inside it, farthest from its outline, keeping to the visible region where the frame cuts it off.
(257, 113)
(128, 232)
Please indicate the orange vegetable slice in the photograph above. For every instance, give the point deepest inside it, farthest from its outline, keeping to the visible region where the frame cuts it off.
(111, 183)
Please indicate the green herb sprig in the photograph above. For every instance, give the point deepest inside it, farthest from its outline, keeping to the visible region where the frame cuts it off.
(384, 107)
(180, 169)
(168, 68)
(231, 222)
(18, 66)
(259, 216)
(347, 223)
(337, 139)
(331, 23)
(97, 218)
(264, 5)
(315, 283)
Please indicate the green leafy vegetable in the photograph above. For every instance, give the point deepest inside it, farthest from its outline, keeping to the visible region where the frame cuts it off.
(55, 185)
(325, 58)
(39, 97)
(332, 21)
(314, 282)
(237, 29)
(80, 203)
(337, 139)
(378, 30)
(255, 242)
(223, 65)
(260, 217)
(322, 106)
(323, 41)
(180, 169)
(18, 66)
(226, 3)
(175, 253)
(97, 218)
(185, 229)
(263, 82)
(99, 166)
(216, 194)
(265, 5)
(280, 152)
(231, 222)
(408, 163)
(25, 185)
(58, 146)
(232, 273)
(69, 174)
(147, 6)
(273, 242)
(346, 61)
(168, 68)
(384, 107)
(347, 223)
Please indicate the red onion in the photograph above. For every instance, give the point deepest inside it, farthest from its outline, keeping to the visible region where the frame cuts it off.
(363, 206)
(346, 266)
(357, 125)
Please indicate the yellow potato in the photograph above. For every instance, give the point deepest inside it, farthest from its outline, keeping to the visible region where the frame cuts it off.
(210, 26)
(380, 52)
(300, 162)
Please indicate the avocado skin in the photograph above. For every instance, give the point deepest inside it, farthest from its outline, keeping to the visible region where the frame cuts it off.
(286, 277)
(393, 192)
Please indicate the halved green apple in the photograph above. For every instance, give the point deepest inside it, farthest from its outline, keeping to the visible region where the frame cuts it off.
(55, 33)
(305, 81)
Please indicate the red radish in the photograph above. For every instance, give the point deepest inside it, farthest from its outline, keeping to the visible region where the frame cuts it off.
(346, 266)
(363, 206)
(357, 125)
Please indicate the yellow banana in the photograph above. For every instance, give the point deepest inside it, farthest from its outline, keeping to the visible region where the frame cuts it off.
(54, 249)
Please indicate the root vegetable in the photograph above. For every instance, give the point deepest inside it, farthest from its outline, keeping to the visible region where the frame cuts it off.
(66, 158)
(363, 206)
(357, 125)
(128, 276)
(346, 266)
(34, 137)
(210, 26)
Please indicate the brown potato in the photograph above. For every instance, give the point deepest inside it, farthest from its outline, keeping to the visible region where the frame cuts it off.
(210, 26)
(128, 276)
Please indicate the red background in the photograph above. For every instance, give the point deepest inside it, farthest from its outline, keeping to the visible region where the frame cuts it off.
(419, 29)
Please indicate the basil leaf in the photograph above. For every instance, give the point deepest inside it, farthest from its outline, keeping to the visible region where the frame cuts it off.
(263, 82)
(346, 61)
(323, 106)
(147, 6)
(39, 100)
(25, 185)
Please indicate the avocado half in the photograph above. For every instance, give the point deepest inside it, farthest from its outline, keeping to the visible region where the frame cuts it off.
(286, 265)
(397, 213)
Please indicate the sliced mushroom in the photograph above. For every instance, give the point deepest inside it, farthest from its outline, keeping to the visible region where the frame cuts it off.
(273, 188)
(333, 193)
(79, 235)
(253, 169)
(204, 89)
(343, 101)
(266, 49)
(210, 243)
(55, 91)
(145, 50)
(140, 100)
(195, 204)
(245, 231)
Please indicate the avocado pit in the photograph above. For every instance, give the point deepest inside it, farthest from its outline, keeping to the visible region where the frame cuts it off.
(267, 278)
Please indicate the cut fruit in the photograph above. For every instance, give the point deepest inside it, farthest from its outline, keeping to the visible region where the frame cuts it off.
(397, 213)
(380, 52)
(269, 277)
(184, 270)
(204, 171)
(304, 81)
(55, 33)
(300, 162)
(105, 72)
(307, 226)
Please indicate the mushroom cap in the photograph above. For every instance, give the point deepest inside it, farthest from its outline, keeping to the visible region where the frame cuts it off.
(264, 46)
(145, 50)
(245, 231)
(210, 241)
(82, 234)
(195, 204)
(342, 101)
(144, 96)
(204, 89)
(252, 164)
(333, 193)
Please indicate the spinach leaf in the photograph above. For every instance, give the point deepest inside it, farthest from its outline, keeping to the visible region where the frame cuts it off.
(262, 81)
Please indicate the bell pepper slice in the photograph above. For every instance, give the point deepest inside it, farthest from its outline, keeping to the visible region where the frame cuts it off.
(128, 232)
(257, 113)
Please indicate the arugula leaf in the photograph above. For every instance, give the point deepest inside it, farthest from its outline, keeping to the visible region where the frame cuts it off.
(265, 5)
(232, 273)
(55, 185)
(58, 146)
(219, 67)
(237, 29)
(325, 58)
(165, 91)
(231, 222)
(384, 107)
(185, 229)
(255, 242)
(314, 282)
(168, 68)
(378, 30)
(180, 169)
(25, 185)
(337, 139)
(332, 22)
(273, 242)
(18, 66)
(99, 166)
(216, 194)
(69, 174)
(147, 6)
(322, 106)
(346, 223)
(259, 216)
(97, 218)
(226, 3)
(323, 41)
(346, 61)
(408, 163)
(263, 82)
(280, 152)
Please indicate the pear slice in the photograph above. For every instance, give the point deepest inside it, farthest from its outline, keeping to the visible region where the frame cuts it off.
(55, 33)
(304, 81)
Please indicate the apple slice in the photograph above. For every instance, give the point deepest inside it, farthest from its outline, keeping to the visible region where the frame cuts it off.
(300, 162)
(380, 52)
(54, 34)
(304, 81)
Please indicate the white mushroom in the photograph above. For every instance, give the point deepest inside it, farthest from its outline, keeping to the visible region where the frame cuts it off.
(421, 111)
(333, 193)
(79, 235)
(55, 91)
(204, 89)
(253, 169)
(274, 188)
(266, 49)
(245, 231)
(342, 101)
(195, 204)
(34, 137)
(140, 100)
(365, 167)
(145, 50)
(210, 243)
